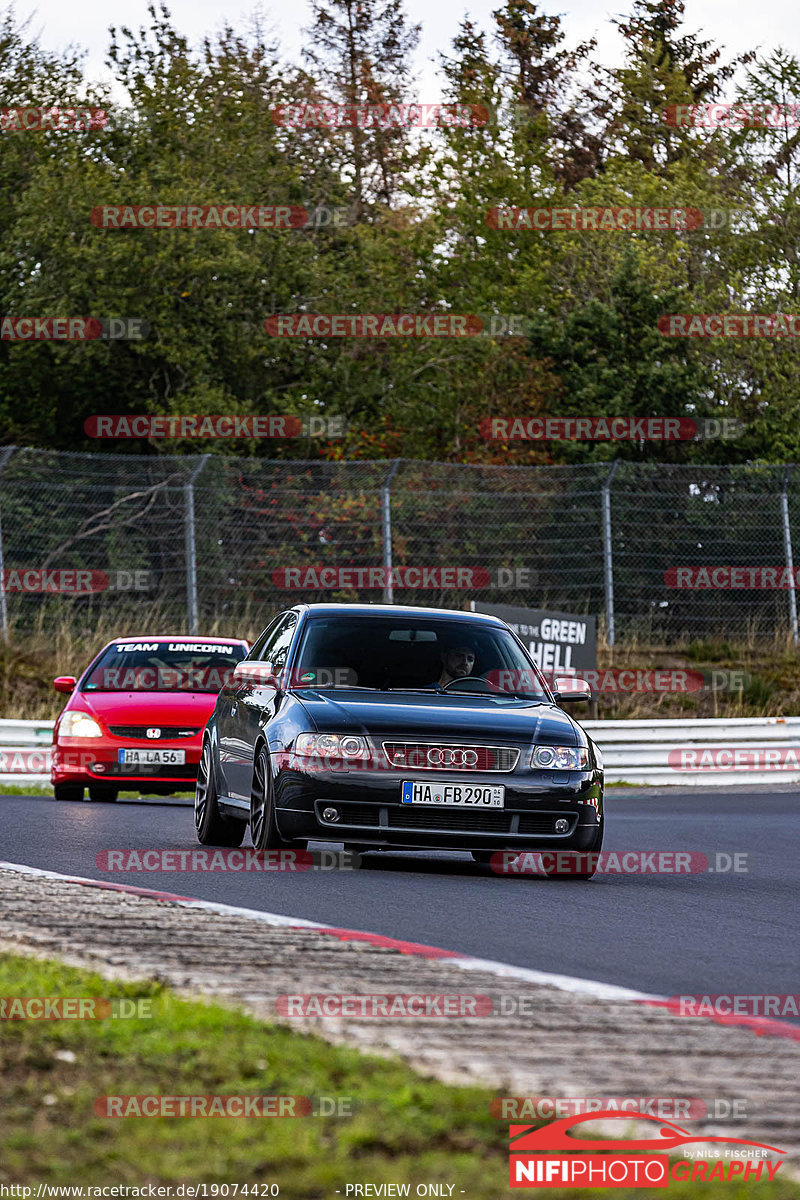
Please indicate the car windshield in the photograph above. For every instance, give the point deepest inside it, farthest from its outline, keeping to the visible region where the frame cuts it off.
(179, 666)
(415, 653)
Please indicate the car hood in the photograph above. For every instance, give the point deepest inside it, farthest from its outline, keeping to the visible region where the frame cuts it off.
(147, 708)
(416, 715)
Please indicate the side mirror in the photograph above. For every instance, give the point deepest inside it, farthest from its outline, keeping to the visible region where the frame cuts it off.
(65, 684)
(571, 691)
(248, 671)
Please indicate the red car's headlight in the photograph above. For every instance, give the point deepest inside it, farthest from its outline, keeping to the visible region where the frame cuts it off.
(79, 724)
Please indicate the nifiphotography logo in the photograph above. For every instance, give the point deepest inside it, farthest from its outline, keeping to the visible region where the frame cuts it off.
(550, 1156)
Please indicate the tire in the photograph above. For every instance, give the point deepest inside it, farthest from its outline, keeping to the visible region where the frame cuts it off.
(68, 791)
(211, 827)
(103, 793)
(263, 827)
(595, 848)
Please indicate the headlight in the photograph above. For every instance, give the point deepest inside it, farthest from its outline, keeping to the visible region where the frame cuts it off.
(560, 758)
(79, 724)
(332, 745)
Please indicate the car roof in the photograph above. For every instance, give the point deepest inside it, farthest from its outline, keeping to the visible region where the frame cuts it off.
(397, 610)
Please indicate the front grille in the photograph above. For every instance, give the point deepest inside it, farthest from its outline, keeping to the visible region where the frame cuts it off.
(450, 818)
(450, 756)
(444, 818)
(168, 732)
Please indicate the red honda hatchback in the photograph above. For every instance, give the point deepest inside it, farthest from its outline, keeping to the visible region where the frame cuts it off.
(135, 718)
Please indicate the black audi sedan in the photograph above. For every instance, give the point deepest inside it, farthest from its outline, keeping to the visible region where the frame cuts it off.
(383, 726)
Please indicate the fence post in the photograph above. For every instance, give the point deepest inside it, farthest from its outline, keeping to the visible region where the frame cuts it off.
(608, 561)
(787, 550)
(191, 547)
(5, 455)
(386, 524)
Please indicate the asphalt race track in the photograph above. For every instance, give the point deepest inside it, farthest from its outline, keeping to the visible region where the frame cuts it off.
(731, 933)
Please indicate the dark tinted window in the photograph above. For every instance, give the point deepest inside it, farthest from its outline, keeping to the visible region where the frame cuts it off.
(260, 642)
(278, 647)
(406, 652)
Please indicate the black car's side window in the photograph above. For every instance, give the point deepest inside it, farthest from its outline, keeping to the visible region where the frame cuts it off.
(256, 650)
(273, 645)
(279, 647)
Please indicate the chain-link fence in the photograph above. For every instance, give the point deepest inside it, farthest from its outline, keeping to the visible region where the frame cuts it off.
(212, 538)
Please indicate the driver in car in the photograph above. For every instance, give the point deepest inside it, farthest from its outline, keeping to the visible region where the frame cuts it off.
(458, 661)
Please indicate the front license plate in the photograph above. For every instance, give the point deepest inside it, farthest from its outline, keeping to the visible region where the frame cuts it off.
(168, 758)
(453, 795)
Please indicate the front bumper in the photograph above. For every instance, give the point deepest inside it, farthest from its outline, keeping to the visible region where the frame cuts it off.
(96, 760)
(371, 813)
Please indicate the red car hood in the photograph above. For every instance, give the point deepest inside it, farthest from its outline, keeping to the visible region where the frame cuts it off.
(147, 708)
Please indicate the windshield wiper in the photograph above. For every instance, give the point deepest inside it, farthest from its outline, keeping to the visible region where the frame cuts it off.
(333, 687)
(435, 688)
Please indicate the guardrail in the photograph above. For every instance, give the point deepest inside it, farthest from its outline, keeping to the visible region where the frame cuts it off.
(712, 753)
(25, 751)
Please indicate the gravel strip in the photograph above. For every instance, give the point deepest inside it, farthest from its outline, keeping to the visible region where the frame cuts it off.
(538, 1041)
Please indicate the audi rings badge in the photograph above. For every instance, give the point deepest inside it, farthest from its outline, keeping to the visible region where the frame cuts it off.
(451, 756)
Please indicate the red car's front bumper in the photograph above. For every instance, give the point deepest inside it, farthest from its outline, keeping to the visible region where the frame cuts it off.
(97, 760)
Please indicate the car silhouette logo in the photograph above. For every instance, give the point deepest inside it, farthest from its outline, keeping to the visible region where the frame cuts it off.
(154, 733)
(530, 1138)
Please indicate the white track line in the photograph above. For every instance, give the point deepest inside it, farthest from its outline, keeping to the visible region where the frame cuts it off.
(566, 983)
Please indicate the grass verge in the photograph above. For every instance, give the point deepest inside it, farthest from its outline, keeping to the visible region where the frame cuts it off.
(405, 1128)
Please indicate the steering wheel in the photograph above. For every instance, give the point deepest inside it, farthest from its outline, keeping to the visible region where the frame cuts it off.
(471, 683)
